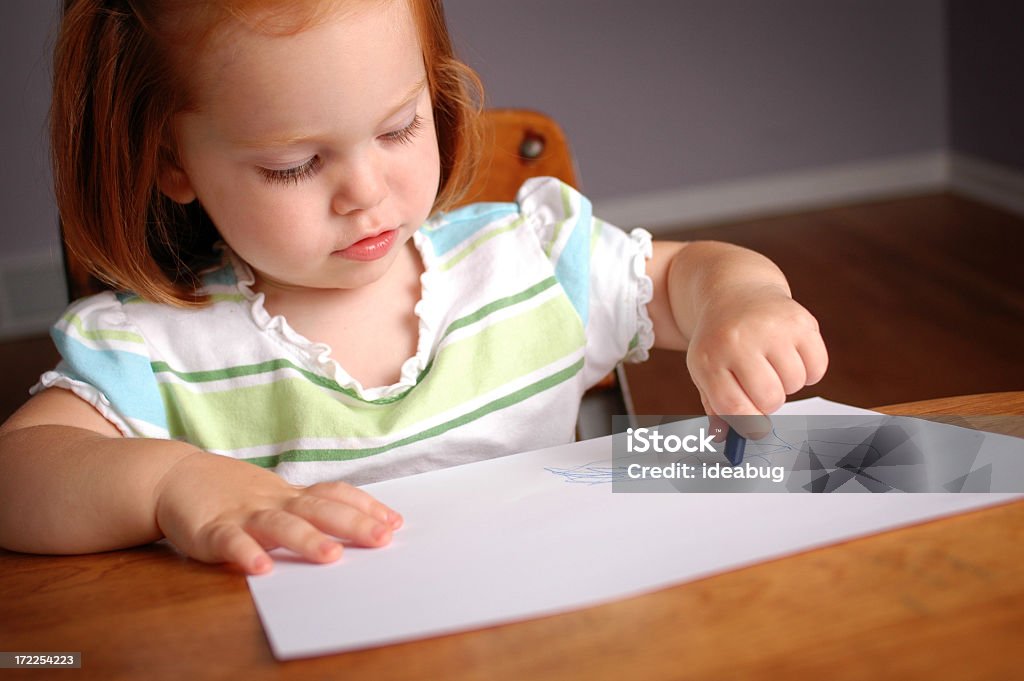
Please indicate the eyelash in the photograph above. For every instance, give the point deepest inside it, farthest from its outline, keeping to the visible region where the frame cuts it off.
(292, 175)
(405, 135)
(309, 168)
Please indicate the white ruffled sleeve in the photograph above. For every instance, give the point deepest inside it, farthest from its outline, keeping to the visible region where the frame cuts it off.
(601, 268)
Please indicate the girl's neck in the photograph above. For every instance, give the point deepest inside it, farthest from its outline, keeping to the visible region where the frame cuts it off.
(407, 267)
(372, 330)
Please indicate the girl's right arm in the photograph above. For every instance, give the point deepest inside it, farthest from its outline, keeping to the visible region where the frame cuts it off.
(70, 483)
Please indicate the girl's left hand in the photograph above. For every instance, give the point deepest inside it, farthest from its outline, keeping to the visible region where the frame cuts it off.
(752, 347)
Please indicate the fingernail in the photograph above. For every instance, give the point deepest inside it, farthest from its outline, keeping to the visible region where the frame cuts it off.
(388, 516)
(261, 564)
(379, 531)
(328, 548)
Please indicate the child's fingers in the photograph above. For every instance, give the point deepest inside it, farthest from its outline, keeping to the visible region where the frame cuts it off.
(716, 423)
(790, 368)
(726, 396)
(275, 527)
(229, 543)
(704, 402)
(357, 498)
(815, 356)
(340, 520)
(732, 405)
(761, 384)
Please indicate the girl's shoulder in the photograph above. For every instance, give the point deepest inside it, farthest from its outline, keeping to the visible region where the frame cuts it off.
(540, 205)
(98, 319)
(127, 315)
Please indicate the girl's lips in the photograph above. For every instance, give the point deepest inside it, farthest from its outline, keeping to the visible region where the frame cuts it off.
(370, 248)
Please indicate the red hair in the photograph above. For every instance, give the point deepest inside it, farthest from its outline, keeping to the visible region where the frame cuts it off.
(117, 86)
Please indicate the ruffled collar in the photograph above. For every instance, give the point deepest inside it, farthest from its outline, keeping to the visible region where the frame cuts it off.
(317, 356)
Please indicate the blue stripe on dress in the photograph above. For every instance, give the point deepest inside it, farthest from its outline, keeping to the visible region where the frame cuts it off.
(573, 267)
(462, 223)
(125, 378)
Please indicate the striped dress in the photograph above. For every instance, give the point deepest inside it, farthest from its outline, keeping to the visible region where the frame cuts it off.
(524, 306)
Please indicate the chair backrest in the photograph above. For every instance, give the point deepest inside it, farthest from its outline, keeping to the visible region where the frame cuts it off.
(519, 144)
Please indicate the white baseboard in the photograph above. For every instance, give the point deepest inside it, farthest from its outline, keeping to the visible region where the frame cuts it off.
(777, 193)
(988, 182)
(32, 285)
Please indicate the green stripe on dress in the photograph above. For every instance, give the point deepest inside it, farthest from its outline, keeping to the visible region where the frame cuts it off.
(292, 407)
(273, 365)
(478, 242)
(310, 455)
(567, 213)
(595, 233)
(102, 334)
(499, 304)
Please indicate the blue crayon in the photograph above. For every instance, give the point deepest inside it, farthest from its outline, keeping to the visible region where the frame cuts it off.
(734, 446)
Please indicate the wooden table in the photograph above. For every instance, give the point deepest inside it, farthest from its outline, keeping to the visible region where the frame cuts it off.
(943, 599)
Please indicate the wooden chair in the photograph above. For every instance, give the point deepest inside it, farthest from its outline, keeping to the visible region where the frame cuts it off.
(520, 144)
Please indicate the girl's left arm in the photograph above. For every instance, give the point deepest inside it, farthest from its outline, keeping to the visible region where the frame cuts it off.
(748, 343)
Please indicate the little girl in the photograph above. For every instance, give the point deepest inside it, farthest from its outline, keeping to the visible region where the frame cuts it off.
(352, 325)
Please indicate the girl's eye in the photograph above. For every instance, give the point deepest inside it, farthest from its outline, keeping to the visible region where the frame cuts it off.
(292, 175)
(405, 135)
(306, 170)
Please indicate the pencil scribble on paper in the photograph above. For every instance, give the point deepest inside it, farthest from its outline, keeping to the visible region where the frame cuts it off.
(592, 473)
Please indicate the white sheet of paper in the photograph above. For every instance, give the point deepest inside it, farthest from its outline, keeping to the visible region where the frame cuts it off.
(508, 539)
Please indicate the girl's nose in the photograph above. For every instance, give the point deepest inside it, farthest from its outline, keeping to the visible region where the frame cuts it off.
(361, 186)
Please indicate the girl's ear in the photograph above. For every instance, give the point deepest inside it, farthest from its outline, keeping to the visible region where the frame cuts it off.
(174, 182)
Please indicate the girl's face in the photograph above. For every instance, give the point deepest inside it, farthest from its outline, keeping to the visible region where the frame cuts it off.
(314, 154)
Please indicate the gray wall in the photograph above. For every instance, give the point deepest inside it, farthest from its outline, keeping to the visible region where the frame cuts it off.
(986, 79)
(662, 94)
(28, 217)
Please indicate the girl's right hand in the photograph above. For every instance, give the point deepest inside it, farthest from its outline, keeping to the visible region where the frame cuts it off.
(218, 509)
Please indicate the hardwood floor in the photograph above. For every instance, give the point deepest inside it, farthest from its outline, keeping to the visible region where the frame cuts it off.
(21, 363)
(918, 297)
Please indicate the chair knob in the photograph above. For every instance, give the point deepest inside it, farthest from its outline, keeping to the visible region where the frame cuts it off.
(532, 146)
